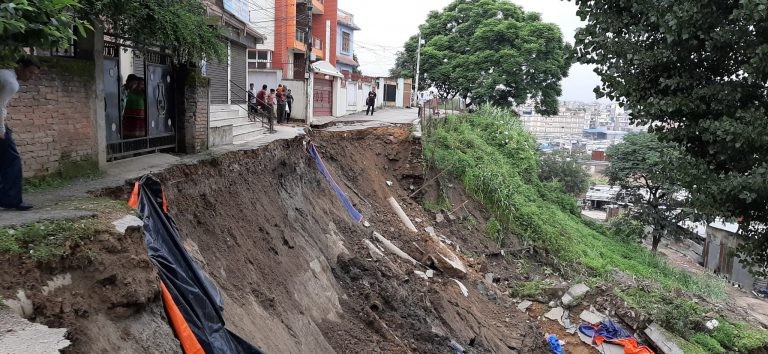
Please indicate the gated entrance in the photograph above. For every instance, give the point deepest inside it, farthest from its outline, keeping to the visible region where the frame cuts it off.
(151, 113)
(323, 98)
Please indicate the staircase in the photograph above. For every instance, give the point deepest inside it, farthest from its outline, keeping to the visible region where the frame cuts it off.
(230, 125)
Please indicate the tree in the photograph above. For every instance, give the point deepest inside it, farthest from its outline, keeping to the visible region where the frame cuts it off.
(564, 168)
(646, 169)
(696, 70)
(43, 24)
(179, 26)
(491, 50)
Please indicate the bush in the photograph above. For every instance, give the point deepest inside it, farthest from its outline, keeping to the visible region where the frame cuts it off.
(739, 336)
(707, 343)
(47, 241)
(626, 229)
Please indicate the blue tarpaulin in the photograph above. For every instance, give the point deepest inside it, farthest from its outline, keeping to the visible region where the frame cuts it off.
(342, 196)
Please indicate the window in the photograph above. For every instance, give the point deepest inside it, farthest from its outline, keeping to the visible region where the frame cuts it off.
(346, 42)
(259, 59)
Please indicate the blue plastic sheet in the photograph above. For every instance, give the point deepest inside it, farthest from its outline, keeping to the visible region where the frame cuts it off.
(342, 196)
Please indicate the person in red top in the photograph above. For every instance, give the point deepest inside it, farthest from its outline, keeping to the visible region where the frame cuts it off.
(261, 99)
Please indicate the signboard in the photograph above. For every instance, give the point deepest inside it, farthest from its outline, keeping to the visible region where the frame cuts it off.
(239, 8)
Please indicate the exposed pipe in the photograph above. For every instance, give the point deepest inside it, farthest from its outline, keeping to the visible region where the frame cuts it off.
(400, 213)
(394, 249)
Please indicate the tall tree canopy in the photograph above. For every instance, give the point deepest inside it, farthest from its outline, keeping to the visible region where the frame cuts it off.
(179, 26)
(491, 50)
(647, 170)
(43, 24)
(696, 70)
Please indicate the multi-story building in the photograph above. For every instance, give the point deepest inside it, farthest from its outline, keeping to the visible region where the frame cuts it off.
(564, 124)
(292, 21)
(345, 60)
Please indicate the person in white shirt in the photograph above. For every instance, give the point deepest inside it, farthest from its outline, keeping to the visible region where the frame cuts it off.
(10, 160)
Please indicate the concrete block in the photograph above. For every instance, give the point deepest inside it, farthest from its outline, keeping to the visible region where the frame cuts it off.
(662, 340)
(574, 294)
(220, 136)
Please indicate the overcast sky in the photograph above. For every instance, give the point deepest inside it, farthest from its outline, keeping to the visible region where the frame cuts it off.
(386, 25)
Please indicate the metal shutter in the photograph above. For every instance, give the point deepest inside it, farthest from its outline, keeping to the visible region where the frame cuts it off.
(217, 73)
(239, 72)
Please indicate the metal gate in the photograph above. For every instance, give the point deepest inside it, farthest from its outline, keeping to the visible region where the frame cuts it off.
(322, 98)
(159, 131)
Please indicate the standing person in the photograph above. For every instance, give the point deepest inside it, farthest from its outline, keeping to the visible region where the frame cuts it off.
(261, 99)
(251, 103)
(370, 102)
(271, 103)
(134, 114)
(10, 160)
(280, 97)
(289, 102)
(130, 84)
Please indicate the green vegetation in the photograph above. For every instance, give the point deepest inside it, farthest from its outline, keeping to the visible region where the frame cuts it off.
(68, 171)
(44, 24)
(563, 167)
(527, 289)
(663, 59)
(481, 47)
(436, 206)
(495, 232)
(496, 161)
(48, 241)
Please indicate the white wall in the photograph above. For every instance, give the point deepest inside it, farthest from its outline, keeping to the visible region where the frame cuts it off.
(400, 91)
(260, 77)
(299, 92)
(339, 98)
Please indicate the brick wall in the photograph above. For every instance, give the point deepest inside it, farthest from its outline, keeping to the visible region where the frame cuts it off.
(196, 118)
(51, 116)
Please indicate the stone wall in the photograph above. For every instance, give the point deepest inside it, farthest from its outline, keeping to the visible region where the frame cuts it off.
(196, 118)
(51, 116)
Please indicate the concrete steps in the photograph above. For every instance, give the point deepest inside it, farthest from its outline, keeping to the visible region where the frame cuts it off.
(226, 118)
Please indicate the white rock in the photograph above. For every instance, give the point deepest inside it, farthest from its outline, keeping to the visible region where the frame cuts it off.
(431, 231)
(489, 278)
(464, 290)
(389, 183)
(430, 273)
(576, 292)
(417, 220)
(366, 224)
(524, 305)
(123, 223)
(555, 314)
(421, 274)
(591, 317)
(439, 218)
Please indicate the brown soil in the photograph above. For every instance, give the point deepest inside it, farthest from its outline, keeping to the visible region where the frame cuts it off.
(294, 272)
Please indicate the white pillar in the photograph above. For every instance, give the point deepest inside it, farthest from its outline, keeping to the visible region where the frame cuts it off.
(328, 41)
(229, 73)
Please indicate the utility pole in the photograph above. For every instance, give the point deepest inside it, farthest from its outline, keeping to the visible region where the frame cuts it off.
(308, 68)
(418, 68)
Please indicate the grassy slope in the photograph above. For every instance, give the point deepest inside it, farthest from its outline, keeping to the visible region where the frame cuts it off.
(497, 162)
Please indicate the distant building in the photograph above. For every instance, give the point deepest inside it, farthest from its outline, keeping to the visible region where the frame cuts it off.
(719, 255)
(567, 123)
(601, 196)
(345, 48)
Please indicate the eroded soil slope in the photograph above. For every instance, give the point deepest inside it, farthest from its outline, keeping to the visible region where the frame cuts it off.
(293, 268)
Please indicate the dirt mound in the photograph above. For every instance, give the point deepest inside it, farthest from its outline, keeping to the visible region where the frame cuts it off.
(294, 270)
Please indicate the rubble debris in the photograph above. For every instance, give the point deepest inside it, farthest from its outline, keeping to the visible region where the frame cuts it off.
(392, 248)
(464, 290)
(489, 278)
(431, 231)
(421, 274)
(661, 340)
(456, 347)
(125, 222)
(439, 218)
(401, 214)
(58, 281)
(555, 314)
(417, 220)
(22, 305)
(430, 273)
(366, 223)
(574, 294)
(523, 306)
(591, 317)
(389, 183)
(373, 250)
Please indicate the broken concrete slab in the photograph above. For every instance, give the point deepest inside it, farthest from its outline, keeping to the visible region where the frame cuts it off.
(591, 317)
(21, 336)
(122, 224)
(431, 231)
(523, 306)
(430, 273)
(489, 278)
(366, 223)
(574, 294)
(555, 314)
(421, 274)
(464, 290)
(439, 218)
(662, 340)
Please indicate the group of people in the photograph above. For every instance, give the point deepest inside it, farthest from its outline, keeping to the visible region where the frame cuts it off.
(275, 103)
